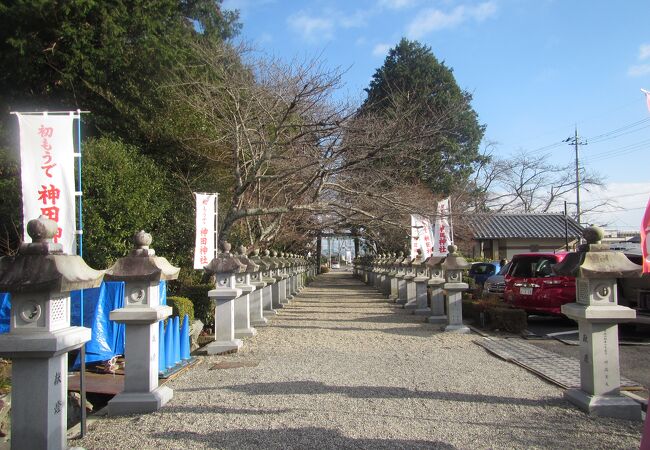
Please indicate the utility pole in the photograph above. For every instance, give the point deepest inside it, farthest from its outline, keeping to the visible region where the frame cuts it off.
(576, 143)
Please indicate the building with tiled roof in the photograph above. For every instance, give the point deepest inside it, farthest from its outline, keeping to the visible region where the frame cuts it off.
(498, 236)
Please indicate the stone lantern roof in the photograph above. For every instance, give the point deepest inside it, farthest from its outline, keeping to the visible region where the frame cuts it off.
(225, 262)
(595, 260)
(435, 261)
(142, 264)
(255, 257)
(267, 258)
(42, 265)
(454, 261)
(250, 265)
(419, 258)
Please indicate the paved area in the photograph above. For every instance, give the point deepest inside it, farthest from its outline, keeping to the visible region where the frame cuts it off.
(342, 368)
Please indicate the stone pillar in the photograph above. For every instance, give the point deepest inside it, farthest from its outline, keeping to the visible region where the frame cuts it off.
(400, 284)
(436, 283)
(416, 270)
(421, 287)
(271, 278)
(392, 274)
(257, 296)
(243, 326)
(280, 288)
(454, 266)
(225, 267)
(142, 271)
(598, 314)
(40, 278)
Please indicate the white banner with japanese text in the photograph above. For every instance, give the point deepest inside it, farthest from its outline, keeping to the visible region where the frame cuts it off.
(47, 173)
(443, 233)
(421, 236)
(205, 242)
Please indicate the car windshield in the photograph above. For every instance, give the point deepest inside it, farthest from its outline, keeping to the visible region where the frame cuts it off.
(504, 269)
(532, 266)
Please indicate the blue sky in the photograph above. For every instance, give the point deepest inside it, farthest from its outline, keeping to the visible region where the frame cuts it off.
(536, 69)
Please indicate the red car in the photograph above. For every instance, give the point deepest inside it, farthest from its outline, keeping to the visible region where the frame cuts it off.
(531, 284)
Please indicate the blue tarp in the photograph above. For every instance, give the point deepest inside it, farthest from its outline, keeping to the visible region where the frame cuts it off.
(107, 336)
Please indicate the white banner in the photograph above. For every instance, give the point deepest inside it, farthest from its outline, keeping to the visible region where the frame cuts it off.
(205, 229)
(443, 236)
(421, 236)
(47, 173)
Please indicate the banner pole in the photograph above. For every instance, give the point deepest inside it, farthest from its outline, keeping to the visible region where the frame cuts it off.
(82, 355)
(216, 224)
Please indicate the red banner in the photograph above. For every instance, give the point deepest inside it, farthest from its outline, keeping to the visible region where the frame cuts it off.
(645, 239)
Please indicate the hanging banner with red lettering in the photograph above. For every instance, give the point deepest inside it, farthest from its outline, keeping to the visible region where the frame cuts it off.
(47, 173)
(205, 243)
(645, 238)
(421, 236)
(443, 236)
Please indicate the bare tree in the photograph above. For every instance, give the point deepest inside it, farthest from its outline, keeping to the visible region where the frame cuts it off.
(294, 153)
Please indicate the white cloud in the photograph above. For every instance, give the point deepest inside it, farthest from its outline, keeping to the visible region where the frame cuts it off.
(397, 4)
(644, 51)
(638, 70)
(380, 49)
(433, 19)
(311, 27)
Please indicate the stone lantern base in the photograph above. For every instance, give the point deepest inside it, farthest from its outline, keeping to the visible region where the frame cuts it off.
(139, 402)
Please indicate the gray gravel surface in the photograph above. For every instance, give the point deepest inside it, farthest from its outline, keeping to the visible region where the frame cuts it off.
(342, 368)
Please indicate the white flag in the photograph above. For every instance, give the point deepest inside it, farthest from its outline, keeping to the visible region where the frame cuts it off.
(421, 236)
(47, 173)
(443, 233)
(205, 229)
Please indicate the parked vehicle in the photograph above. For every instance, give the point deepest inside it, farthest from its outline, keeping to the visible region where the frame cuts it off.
(531, 284)
(481, 271)
(496, 284)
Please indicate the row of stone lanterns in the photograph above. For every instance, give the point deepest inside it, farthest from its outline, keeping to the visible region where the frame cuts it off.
(408, 281)
(40, 279)
(596, 309)
(249, 289)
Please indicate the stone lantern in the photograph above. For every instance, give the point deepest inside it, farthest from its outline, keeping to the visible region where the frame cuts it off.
(405, 280)
(280, 288)
(40, 278)
(274, 279)
(421, 288)
(225, 267)
(598, 314)
(393, 273)
(417, 267)
(288, 272)
(454, 267)
(258, 280)
(436, 283)
(142, 271)
(242, 303)
(402, 271)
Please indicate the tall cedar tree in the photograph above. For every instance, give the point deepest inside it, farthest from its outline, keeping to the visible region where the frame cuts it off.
(412, 75)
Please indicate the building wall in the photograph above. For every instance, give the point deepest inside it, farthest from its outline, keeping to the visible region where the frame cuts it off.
(497, 249)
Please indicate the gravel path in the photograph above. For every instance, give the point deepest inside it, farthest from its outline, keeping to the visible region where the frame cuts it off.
(342, 368)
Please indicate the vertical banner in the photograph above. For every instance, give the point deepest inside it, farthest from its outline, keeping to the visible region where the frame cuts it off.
(421, 236)
(47, 173)
(645, 239)
(205, 229)
(443, 235)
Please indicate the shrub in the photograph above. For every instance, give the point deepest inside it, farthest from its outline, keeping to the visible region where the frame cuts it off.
(198, 294)
(181, 306)
(508, 319)
(324, 269)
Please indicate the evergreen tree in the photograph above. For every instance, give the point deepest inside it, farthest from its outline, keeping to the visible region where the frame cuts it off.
(413, 81)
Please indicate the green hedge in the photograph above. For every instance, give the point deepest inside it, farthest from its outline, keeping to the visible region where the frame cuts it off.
(198, 294)
(508, 319)
(181, 306)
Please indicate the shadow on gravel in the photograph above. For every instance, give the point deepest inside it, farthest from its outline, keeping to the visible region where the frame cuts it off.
(318, 388)
(399, 331)
(295, 438)
(203, 409)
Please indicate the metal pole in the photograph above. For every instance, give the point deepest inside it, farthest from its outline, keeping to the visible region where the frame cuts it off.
(82, 353)
(566, 229)
(577, 177)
